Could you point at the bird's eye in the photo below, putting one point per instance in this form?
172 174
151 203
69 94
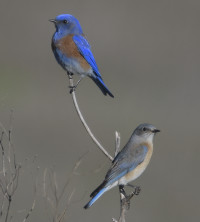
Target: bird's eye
65 21
144 129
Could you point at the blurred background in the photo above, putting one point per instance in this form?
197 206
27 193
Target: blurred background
148 53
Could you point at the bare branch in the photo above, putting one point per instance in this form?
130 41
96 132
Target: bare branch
8 209
61 217
3 189
33 204
117 142
71 83
30 211
77 164
2 205
3 155
10 172
52 198
48 199
55 186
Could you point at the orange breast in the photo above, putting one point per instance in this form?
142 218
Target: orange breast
135 173
67 46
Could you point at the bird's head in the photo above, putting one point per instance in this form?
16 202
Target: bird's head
145 132
67 24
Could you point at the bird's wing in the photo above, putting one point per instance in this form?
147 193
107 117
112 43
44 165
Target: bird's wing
124 162
84 48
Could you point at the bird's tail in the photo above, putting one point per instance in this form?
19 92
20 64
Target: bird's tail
96 194
102 86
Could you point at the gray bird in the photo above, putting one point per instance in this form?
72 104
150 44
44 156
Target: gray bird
129 163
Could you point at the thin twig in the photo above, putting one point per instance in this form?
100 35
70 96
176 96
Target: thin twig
55 187
61 217
77 164
117 142
30 211
44 182
2 205
71 83
123 207
33 204
8 209
10 145
53 197
51 203
3 154
10 169
3 190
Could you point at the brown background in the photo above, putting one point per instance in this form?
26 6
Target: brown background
148 54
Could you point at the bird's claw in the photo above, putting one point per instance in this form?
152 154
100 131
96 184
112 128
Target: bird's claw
70 75
122 191
137 190
72 89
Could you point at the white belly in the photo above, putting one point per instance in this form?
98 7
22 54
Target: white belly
71 65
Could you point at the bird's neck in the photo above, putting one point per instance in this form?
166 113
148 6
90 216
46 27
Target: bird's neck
61 33
138 140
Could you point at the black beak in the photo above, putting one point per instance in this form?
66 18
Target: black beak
156 131
52 20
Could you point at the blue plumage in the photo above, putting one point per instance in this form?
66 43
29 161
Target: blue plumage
73 52
95 198
84 48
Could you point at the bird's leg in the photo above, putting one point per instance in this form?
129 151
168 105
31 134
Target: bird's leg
70 74
122 191
137 189
126 200
72 88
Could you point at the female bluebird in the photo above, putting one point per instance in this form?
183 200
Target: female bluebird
129 163
72 50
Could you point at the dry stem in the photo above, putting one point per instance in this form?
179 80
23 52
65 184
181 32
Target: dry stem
71 83
54 198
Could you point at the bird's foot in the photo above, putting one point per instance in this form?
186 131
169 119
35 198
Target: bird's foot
72 89
122 191
126 200
137 189
70 75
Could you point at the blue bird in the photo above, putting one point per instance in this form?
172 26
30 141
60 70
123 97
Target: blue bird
129 163
72 51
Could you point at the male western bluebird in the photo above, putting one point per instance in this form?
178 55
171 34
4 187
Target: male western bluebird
129 163
72 50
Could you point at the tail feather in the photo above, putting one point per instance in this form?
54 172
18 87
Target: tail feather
96 197
102 86
101 186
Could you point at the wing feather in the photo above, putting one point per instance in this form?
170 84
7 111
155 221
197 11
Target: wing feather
124 162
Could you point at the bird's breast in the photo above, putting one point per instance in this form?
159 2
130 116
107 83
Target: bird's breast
68 48
136 172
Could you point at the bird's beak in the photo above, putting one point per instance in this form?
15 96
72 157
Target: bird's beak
156 131
52 20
